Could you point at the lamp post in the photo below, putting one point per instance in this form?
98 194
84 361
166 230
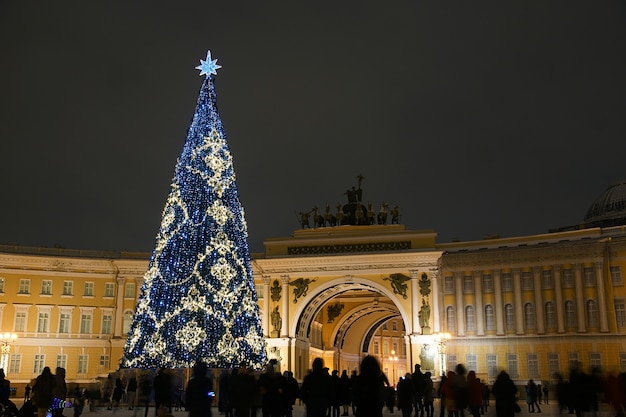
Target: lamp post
393 358
5 349
441 339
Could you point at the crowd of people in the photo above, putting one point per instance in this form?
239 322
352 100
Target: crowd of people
244 393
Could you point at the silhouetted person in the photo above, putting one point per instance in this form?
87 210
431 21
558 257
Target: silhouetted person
371 388
244 387
315 390
60 389
506 395
197 397
42 392
5 393
162 390
271 384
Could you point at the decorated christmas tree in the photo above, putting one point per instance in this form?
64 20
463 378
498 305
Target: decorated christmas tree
198 300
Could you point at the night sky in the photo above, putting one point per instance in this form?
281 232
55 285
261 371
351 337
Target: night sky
475 118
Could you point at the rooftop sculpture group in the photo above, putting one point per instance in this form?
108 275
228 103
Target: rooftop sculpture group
355 213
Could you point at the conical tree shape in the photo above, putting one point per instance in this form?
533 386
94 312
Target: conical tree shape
198 300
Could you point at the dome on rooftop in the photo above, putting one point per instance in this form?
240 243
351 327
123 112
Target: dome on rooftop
609 208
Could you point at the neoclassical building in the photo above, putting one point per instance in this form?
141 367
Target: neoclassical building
532 305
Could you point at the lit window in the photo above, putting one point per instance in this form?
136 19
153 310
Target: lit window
570 314
109 288
589 277
128 319
487 283
547 279
492 366
85 323
24 286
104 361
554 365
450 320
14 363
107 324
573 360
595 360
550 315
527 280
1 285
529 315
394 325
511 361
46 287
489 318
88 290
533 365
20 321
130 290
470 323
620 312
38 363
83 360
471 362
68 287
507 282
62 361
468 284
448 285
568 278
64 323
616 275
592 313
43 322
508 317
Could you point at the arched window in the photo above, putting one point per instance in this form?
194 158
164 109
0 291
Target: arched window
570 314
470 322
489 318
529 316
450 320
592 313
508 317
550 315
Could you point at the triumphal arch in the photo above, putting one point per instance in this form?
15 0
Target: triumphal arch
344 291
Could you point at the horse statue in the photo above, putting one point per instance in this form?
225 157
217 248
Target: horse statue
329 219
318 219
382 213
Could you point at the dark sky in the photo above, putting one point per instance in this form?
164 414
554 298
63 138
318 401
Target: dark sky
474 117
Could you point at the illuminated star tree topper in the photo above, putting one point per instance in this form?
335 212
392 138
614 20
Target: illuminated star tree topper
198 300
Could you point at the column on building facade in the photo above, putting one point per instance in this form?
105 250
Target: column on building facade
265 321
558 291
497 289
517 294
119 306
460 310
604 318
434 273
580 298
480 308
285 315
415 304
539 311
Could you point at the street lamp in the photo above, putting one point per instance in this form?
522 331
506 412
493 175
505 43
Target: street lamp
393 358
441 339
5 349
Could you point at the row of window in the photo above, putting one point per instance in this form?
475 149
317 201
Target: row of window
530 320
527 280
15 363
532 363
65 320
68 288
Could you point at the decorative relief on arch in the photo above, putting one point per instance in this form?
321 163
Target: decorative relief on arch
301 287
334 311
398 283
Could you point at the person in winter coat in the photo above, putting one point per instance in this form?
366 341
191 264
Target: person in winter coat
475 400
198 398
429 395
405 395
370 388
42 392
505 392
315 390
